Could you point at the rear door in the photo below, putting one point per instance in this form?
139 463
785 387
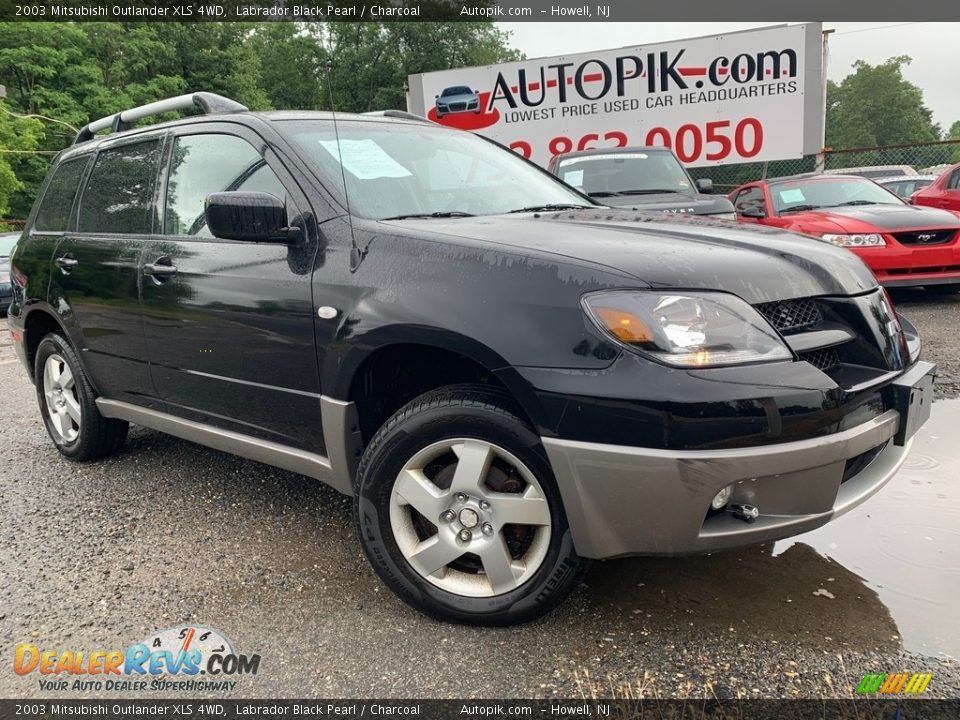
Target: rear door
94 282
229 324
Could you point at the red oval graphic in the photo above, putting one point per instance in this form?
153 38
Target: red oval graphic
467 120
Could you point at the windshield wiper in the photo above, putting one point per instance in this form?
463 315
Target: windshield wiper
442 214
858 202
651 191
548 208
603 193
800 208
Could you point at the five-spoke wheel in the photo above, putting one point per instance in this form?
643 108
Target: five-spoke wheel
458 510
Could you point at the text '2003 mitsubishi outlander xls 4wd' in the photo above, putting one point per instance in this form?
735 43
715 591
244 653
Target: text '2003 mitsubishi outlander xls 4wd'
509 379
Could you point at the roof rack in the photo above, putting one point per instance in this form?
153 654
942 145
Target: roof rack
123 120
402 114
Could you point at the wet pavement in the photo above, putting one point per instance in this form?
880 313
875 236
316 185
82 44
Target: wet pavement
905 541
96 556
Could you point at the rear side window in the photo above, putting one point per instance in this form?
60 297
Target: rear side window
54 211
118 197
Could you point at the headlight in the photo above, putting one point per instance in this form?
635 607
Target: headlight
686 329
869 240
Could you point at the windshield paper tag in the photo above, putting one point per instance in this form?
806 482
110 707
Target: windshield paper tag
365 160
792 196
573 177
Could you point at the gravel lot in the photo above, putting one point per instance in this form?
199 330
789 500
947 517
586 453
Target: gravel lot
96 556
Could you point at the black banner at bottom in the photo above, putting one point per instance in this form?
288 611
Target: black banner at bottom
692 709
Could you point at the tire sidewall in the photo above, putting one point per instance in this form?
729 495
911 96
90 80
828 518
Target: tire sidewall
538 594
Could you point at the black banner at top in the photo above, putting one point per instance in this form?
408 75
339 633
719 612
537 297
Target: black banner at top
471 10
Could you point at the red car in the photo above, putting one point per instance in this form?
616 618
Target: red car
944 192
904 245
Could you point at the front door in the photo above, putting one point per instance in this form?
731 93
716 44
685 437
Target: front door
229 324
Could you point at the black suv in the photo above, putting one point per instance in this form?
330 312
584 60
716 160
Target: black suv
508 379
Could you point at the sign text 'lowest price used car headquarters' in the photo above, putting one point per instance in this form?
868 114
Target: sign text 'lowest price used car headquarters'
748 96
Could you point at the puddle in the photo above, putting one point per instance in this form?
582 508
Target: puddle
904 543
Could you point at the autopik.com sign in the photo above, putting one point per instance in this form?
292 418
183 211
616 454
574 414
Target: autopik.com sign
747 96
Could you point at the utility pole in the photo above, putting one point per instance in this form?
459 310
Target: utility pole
821 161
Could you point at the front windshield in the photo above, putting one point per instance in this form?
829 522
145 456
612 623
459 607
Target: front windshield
7 242
456 91
394 170
824 192
625 173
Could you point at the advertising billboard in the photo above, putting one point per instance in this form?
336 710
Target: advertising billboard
745 96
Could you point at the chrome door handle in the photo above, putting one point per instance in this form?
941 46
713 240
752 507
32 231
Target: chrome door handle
66 263
159 270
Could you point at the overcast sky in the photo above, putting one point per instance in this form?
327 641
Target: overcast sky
934 47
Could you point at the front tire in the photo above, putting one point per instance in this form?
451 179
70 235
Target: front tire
458 511
68 407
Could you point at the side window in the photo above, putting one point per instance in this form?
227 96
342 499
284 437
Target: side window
749 198
54 211
953 182
205 164
118 197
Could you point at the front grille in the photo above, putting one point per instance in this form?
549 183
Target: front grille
789 316
855 465
822 359
458 106
925 237
924 270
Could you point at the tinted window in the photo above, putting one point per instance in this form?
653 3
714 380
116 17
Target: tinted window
629 173
954 182
749 198
205 164
54 211
118 197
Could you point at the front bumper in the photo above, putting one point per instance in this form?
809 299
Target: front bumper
641 501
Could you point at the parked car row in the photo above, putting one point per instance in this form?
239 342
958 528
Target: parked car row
7 241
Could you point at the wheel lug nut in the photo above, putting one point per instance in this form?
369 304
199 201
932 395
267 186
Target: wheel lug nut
484 505
465 535
461 497
447 516
487 529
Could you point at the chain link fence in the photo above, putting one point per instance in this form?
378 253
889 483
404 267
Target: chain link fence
922 158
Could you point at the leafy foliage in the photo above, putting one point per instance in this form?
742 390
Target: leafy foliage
75 72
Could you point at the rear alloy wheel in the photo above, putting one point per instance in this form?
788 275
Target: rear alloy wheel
67 404
63 403
459 514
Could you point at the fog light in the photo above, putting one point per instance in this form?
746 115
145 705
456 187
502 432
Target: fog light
722 498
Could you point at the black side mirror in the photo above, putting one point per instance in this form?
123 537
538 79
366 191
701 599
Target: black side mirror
705 185
752 211
248 216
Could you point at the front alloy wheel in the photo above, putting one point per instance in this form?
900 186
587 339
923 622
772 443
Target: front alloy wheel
470 517
458 510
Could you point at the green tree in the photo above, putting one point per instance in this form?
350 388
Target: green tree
954 134
876 106
17 135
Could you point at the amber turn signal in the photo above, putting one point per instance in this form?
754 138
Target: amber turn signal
623 325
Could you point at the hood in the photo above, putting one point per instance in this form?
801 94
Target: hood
672 203
887 218
670 251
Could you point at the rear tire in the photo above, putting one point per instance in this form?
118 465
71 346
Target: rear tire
68 407
459 514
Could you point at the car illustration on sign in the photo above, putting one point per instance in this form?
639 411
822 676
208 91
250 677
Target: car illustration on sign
457 99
